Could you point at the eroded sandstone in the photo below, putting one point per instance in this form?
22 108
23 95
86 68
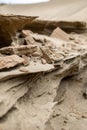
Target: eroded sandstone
32 73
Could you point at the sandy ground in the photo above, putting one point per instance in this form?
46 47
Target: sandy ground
71 114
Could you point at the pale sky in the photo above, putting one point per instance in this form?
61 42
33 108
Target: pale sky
22 1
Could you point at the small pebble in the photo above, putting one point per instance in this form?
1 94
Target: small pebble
43 61
24 69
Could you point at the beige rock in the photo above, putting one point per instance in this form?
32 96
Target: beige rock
60 34
9 25
7 62
19 50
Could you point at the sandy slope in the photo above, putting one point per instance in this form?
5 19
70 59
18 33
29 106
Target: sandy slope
71 114
53 10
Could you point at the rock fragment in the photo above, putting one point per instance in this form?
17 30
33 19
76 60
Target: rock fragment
26 60
43 61
25 33
60 34
19 50
7 62
51 55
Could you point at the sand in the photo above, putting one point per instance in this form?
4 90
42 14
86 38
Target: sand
53 10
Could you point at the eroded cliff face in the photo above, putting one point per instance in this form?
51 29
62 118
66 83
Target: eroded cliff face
9 25
34 91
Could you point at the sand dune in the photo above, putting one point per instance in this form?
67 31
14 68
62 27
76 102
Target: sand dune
53 10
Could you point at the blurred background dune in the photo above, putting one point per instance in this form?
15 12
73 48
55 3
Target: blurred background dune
74 10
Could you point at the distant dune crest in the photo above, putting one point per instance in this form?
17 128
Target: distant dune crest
22 1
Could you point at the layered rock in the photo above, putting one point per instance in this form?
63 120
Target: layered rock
31 71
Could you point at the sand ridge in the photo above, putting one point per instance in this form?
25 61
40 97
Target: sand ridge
54 10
